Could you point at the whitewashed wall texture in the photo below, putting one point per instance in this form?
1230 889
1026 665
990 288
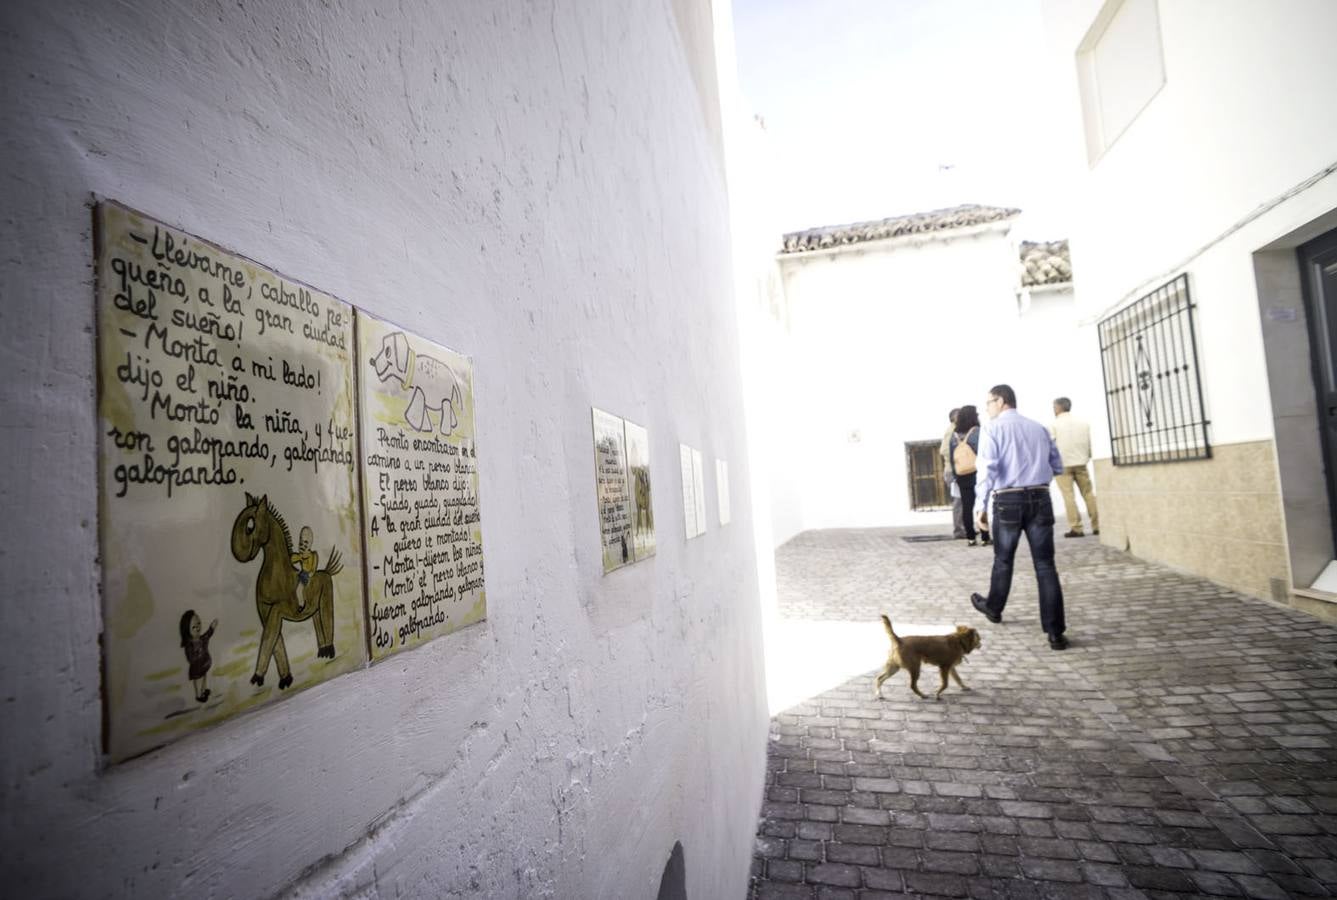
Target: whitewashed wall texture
538 187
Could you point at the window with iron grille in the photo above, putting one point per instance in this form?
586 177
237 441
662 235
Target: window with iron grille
1153 388
923 467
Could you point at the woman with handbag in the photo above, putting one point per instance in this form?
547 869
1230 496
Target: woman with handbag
965 444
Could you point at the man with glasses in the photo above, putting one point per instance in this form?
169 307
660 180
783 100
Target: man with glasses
1017 460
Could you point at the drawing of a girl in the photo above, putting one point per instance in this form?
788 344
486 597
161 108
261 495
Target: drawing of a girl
196 645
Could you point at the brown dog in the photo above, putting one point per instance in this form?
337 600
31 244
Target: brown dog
942 650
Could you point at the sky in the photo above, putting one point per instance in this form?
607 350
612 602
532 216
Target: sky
877 108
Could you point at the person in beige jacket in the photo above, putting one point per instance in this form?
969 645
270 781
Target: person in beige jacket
1073 437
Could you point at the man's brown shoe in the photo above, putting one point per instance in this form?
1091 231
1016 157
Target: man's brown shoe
1073 534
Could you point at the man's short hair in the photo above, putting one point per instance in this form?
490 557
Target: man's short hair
1005 393
1063 403
951 416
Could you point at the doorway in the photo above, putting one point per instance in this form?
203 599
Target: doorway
923 469
1318 271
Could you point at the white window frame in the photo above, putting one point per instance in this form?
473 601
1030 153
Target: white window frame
1101 135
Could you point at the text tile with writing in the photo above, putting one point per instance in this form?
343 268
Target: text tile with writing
230 544
420 473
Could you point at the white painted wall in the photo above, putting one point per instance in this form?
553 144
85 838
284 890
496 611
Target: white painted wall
774 382
1236 126
888 338
1066 357
783 381
763 318
537 187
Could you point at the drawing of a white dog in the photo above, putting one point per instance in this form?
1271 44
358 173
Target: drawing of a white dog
433 384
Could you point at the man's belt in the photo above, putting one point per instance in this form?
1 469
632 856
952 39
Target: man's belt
1020 490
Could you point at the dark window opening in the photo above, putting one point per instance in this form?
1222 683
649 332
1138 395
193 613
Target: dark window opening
923 467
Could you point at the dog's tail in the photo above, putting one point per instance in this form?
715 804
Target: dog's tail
886 623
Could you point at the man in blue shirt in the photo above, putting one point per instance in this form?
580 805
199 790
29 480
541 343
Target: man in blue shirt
1017 460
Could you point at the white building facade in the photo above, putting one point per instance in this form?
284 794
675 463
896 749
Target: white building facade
893 323
543 191
1210 176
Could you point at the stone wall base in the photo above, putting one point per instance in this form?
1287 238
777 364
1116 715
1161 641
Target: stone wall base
1219 519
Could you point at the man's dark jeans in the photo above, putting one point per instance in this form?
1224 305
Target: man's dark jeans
1030 512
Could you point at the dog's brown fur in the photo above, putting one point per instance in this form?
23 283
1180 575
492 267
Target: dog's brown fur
945 651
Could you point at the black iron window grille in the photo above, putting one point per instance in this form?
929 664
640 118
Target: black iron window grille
1153 388
923 469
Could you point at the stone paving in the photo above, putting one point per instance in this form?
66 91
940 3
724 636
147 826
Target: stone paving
1185 745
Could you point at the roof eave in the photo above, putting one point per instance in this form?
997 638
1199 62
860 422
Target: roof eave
900 240
1048 286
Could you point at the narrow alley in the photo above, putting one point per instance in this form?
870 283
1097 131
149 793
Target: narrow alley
1186 743
463 450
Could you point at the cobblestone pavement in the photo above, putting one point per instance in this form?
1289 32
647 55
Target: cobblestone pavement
1185 745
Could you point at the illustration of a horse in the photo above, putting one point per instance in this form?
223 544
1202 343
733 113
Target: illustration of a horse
260 529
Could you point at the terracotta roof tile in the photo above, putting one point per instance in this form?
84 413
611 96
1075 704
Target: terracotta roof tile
830 236
1045 262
